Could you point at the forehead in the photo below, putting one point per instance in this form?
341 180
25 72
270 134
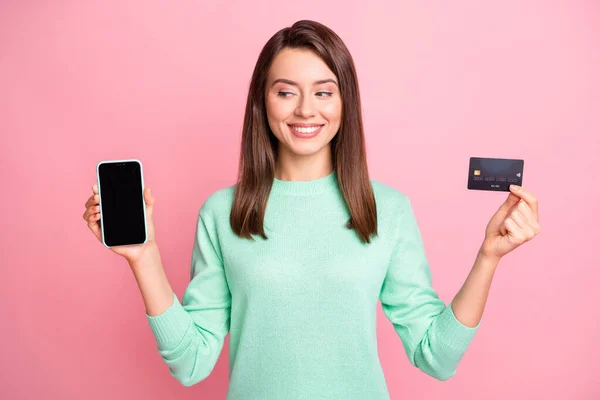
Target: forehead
299 65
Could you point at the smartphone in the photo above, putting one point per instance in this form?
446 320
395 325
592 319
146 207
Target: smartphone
122 205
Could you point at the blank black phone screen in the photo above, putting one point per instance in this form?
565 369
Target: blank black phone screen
122 202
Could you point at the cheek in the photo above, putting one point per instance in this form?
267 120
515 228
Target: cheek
332 111
278 110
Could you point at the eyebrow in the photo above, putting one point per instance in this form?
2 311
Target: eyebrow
289 82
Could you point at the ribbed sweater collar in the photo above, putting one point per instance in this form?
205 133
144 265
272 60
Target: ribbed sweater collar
305 188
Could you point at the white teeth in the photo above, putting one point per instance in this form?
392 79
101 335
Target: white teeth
305 130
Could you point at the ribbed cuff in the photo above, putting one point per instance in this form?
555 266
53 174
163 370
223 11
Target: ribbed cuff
170 327
455 335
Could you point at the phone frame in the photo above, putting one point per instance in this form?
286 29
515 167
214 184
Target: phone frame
100 195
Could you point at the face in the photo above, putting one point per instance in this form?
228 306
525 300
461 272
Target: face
303 103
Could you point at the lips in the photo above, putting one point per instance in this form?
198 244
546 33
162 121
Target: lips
305 131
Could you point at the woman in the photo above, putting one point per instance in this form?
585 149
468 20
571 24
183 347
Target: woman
292 259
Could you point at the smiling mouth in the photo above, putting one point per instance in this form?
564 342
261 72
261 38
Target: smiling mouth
305 128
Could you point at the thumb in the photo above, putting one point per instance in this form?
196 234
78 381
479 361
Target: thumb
148 197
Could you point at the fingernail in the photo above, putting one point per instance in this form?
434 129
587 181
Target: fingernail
514 187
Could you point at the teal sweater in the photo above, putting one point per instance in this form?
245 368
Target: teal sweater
300 307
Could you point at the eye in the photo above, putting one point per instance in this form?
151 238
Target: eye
284 94
324 94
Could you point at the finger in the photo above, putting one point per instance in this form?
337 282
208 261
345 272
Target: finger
95 188
92 219
93 200
510 202
525 229
532 220
92 214
86 213
149 197
515 230
93 224
524 208
525 195
91 211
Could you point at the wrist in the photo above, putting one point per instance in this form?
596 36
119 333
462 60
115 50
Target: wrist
150 255
487 259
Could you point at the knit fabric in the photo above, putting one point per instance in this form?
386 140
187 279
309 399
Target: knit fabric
300 306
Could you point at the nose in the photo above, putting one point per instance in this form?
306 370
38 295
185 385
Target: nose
306 108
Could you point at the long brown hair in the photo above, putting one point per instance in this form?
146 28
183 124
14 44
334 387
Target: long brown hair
259 145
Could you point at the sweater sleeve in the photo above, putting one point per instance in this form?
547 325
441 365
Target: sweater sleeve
434 340
190 334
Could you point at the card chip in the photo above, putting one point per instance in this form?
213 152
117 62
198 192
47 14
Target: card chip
477 172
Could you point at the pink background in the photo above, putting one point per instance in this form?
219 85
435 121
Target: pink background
166 82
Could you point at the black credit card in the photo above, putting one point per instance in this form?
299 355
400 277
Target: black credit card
495 174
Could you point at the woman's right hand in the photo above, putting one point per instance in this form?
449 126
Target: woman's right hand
132 253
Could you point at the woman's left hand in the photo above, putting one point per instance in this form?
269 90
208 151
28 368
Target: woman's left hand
515 223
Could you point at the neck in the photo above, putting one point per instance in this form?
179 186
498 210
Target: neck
303 168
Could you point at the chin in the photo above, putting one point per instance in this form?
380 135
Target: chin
307 150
